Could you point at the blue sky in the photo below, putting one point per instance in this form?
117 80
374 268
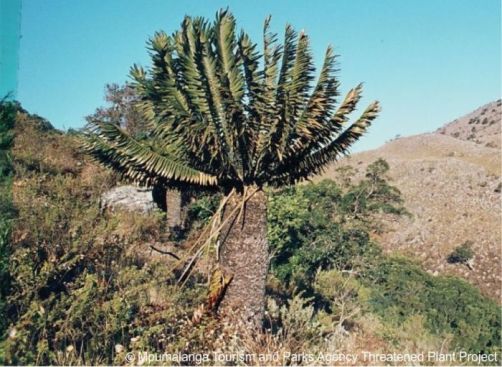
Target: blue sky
10 27
427 61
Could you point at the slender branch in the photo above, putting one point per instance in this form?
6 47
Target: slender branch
164 252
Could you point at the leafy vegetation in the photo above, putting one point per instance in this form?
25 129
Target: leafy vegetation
325 225
86 287
448 305
219 113
7 210
80 280
320 236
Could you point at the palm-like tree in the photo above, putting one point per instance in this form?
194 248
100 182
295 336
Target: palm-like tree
223 115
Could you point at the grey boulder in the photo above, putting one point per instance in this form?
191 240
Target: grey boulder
128 197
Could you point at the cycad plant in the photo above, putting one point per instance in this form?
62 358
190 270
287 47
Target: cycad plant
221 114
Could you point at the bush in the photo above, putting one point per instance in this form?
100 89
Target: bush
372 195
201 209
462 254
305 236
449 305
324 226
346 295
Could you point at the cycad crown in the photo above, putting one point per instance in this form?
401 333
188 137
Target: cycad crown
222 114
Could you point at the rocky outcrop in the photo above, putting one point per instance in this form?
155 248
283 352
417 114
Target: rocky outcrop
132 198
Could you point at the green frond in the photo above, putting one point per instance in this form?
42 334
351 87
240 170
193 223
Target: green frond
225 45
139 160
218 108
271 56
105 154
160 42
323 129
288 58
297 90
231 88
314 162
314 117
192 82
282 114
221 112
265 106
250 59
343 142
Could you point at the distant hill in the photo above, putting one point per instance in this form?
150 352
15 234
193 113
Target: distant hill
481 126
450 180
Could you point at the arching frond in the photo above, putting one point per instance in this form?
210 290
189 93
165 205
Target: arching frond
221 112
138 160
314 117
227 58
314 162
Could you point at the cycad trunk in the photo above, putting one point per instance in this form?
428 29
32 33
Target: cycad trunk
174 208
244 256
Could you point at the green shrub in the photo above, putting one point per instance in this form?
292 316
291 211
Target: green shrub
461 254
372 195
324 226
305 236
450 305
346 296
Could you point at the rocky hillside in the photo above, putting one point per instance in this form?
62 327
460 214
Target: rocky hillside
481 126
450 180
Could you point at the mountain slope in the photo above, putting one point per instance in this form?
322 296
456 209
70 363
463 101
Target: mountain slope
451 185
481 126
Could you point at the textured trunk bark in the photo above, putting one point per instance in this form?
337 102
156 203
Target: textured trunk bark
244 256
174 208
